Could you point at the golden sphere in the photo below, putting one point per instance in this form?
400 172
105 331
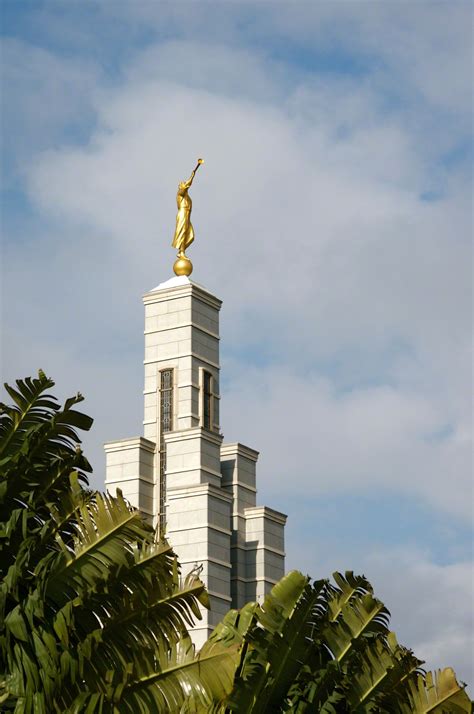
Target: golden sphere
183 266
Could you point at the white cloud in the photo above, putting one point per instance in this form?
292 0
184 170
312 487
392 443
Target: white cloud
339 260
428 46
44 95
316 441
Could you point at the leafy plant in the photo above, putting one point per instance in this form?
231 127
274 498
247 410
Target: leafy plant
320 647
93 613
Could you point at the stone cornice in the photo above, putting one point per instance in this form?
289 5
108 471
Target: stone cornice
196 432
178 356
237 449
173 492
260 546
130 443
265 512
182 324
184 290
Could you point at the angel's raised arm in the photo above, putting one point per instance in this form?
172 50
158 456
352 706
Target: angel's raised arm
188 183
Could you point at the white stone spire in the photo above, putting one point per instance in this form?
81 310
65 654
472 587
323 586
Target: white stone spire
200 492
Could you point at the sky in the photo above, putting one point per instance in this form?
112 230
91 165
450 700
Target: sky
333 217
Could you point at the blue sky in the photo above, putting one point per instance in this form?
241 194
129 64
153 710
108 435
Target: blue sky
334 219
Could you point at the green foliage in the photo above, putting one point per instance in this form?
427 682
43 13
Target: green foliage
93 613
325 648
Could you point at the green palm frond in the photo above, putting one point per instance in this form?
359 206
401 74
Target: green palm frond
353 613
182 682
106 529
276 642
31 407
39 451
235 626
376 680
437 693
111 603
22 426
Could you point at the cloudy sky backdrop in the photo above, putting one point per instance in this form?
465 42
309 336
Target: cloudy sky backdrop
333 217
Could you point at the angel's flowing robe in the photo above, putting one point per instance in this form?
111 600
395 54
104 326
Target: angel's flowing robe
184 232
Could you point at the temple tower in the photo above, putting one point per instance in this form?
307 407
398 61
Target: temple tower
200 492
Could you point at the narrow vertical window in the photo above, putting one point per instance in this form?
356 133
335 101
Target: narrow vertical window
166 424
207 400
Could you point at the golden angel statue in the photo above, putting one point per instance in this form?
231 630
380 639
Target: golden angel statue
184 232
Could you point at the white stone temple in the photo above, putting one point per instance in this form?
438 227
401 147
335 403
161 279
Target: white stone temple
200 491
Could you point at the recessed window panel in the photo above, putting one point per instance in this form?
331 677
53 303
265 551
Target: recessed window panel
207 400
166 424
